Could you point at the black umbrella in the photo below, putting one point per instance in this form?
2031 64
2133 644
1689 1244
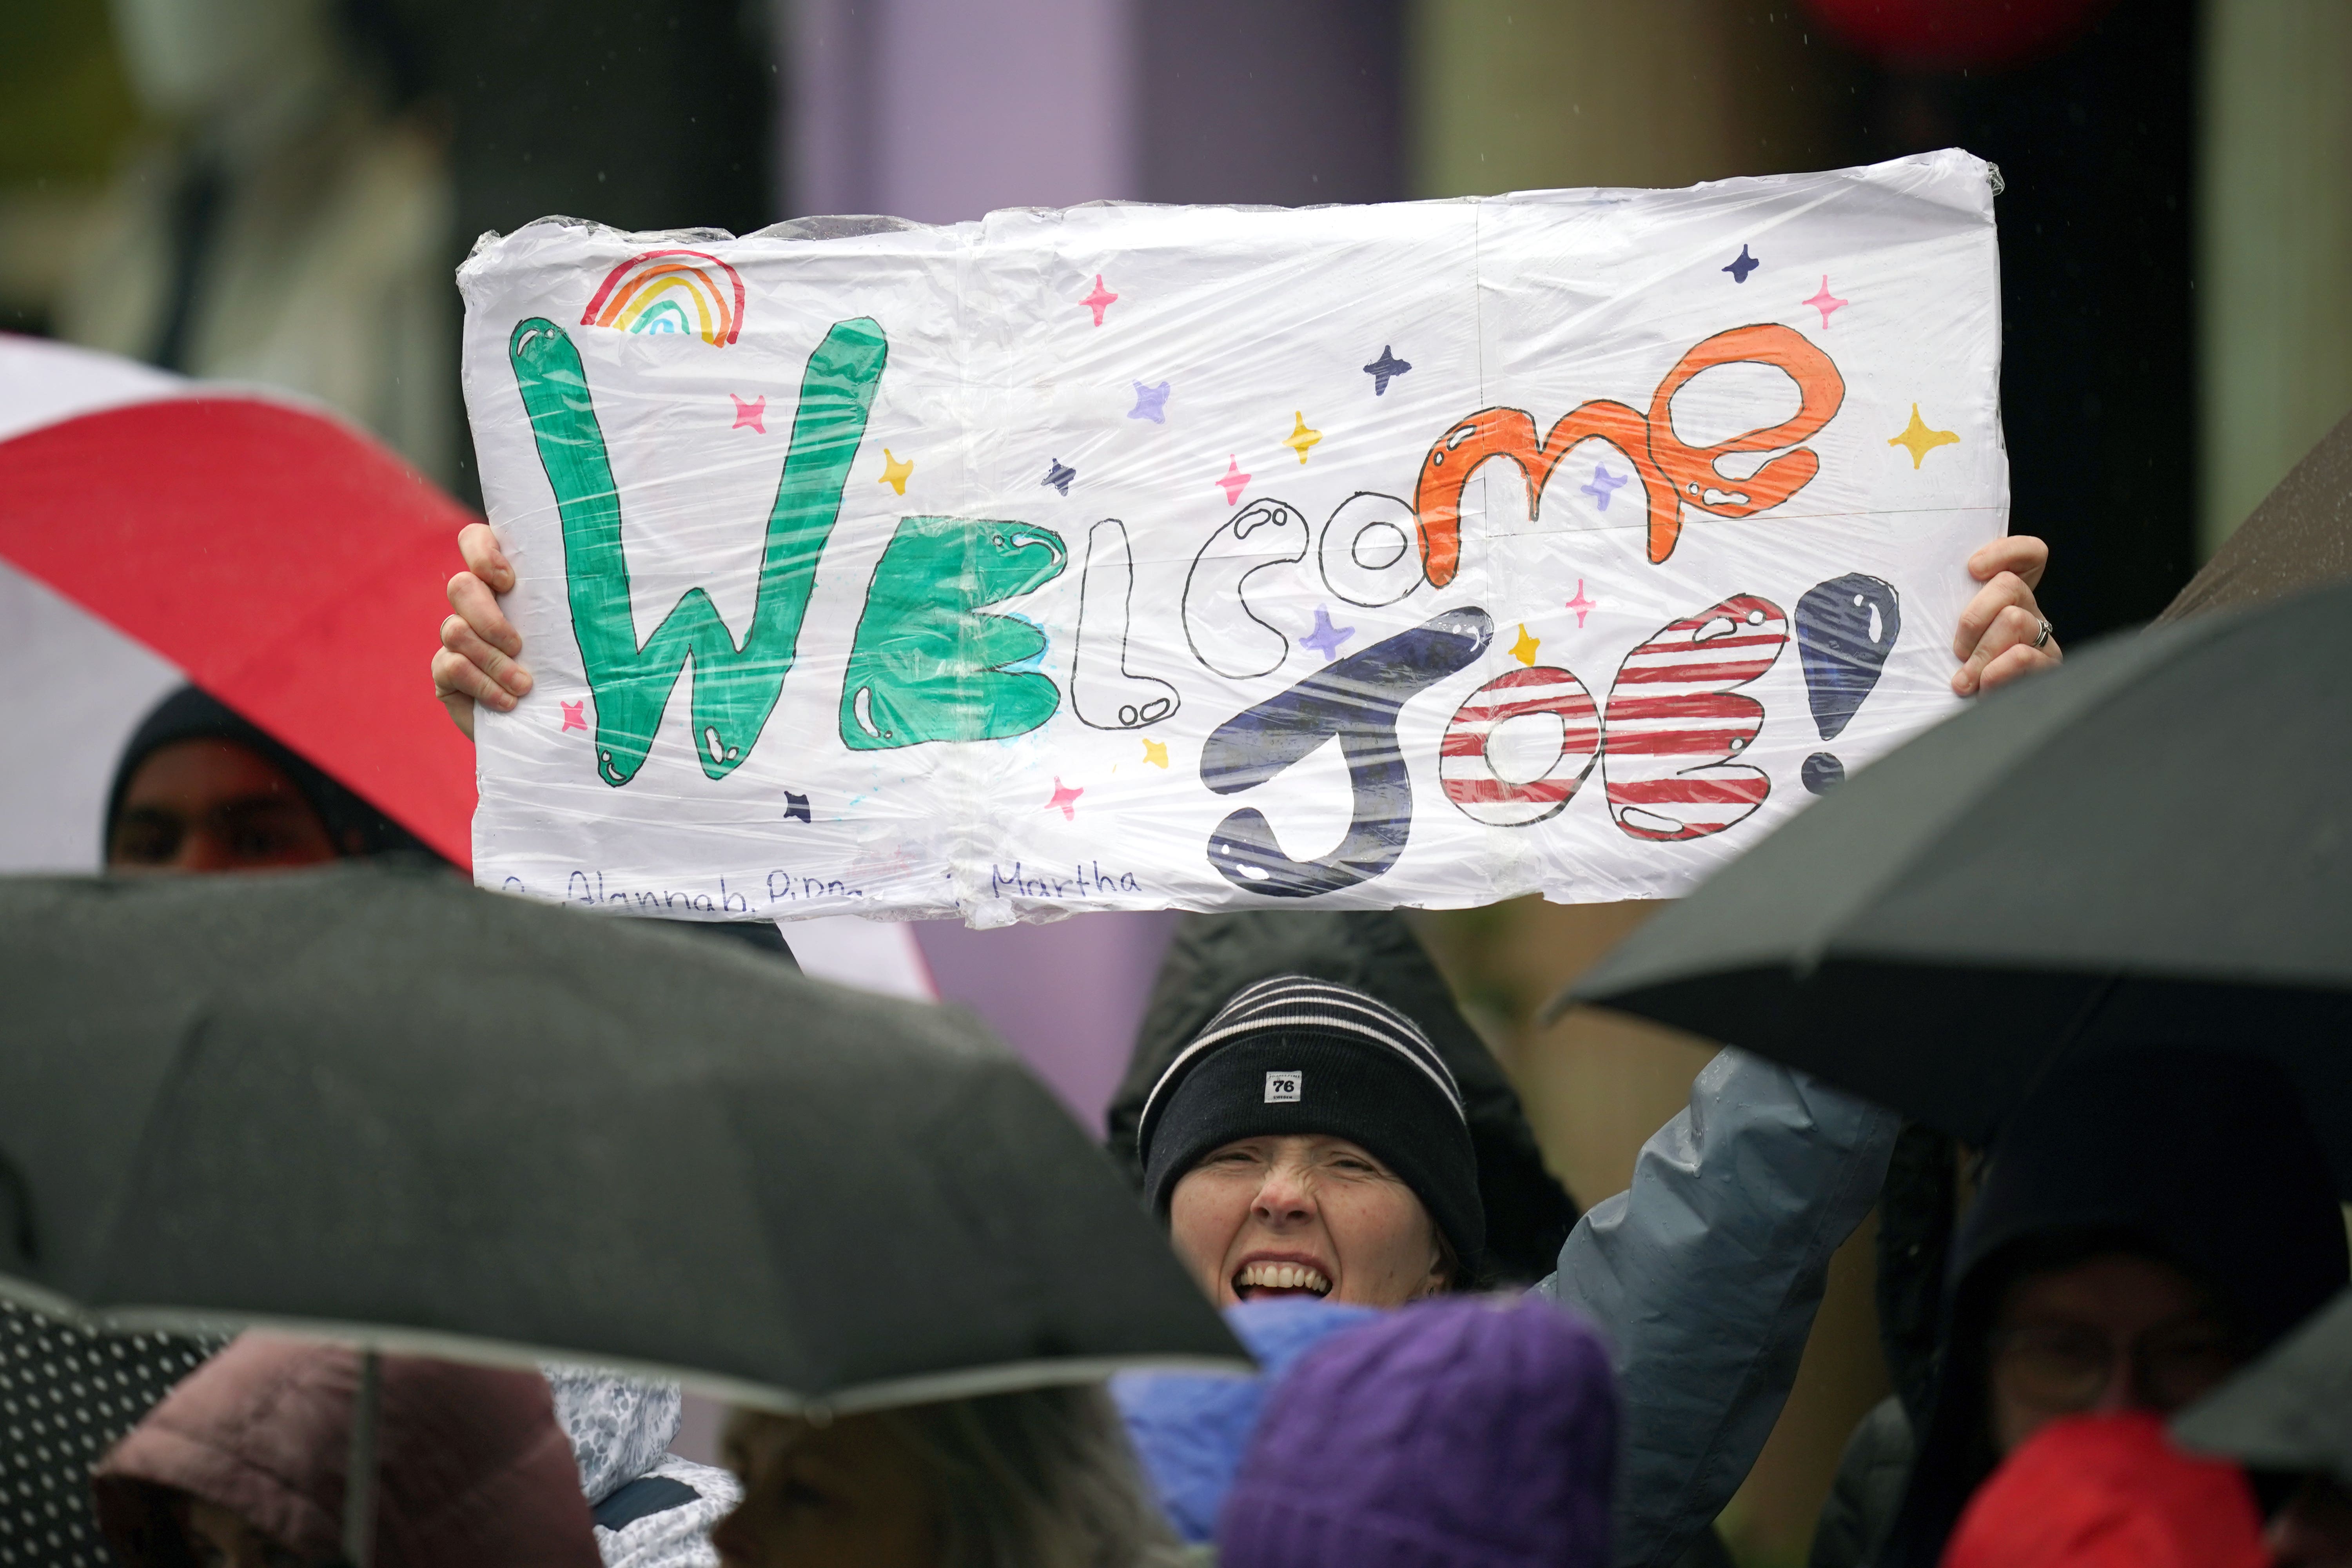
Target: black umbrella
2292 1410
433 1118
2150 846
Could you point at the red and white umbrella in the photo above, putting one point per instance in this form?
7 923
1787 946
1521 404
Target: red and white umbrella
155 529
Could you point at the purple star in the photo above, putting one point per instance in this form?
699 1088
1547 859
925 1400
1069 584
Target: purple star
1150 403
1325 637
1743 266
1604 485
1385 369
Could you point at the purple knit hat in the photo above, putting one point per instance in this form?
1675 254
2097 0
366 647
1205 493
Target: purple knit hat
1470 1432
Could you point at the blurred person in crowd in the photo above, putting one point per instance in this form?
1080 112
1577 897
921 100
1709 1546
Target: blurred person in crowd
200 788
2109 1492
1476 1432
2148 1222
1038 1479
294 223
245 1466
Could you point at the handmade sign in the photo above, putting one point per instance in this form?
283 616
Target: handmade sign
1198 557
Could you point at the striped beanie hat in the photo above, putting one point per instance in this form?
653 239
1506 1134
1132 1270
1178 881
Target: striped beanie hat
1291 1054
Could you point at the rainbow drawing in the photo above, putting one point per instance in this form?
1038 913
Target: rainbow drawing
671 292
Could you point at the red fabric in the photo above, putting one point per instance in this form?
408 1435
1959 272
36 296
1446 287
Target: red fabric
1950 35
2109 1492
293 567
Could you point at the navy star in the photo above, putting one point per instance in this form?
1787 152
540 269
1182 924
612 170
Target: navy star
1385 369
1059 475
1740 268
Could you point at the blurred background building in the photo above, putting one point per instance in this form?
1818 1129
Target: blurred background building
277 191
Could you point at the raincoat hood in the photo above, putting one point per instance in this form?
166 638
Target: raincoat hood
1529 1213
652 1509
2203 1161
473 1470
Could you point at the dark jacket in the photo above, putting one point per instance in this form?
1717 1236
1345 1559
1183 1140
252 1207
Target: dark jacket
473 1471
2201 1159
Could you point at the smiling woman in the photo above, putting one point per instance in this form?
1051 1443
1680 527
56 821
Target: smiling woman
1311 1141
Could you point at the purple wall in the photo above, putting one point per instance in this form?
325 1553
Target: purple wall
1068 995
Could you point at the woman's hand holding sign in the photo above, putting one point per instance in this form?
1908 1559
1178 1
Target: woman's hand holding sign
478 659
2003 633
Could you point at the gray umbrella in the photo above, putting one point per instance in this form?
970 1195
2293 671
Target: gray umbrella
2150 846
2292 1410
434 1119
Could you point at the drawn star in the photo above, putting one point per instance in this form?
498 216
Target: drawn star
1098 301
1300 436
1741 266
1919 440
1235 482
1604 485
1385 369
1582 605
895 473
1826 302
1059 475
1155 752
1150 403
1065 800
796 807
754 414
1524 650
572 716
1325 637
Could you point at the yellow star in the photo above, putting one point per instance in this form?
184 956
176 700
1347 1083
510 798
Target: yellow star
1301 438
1155 753
895 473
1919 440
1524 650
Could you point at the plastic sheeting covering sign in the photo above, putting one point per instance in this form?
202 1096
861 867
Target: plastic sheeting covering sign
1132 557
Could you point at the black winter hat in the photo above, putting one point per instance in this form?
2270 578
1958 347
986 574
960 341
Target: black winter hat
1291 1054
1527 1212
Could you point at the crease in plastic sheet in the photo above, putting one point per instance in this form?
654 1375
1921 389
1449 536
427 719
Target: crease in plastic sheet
1139 557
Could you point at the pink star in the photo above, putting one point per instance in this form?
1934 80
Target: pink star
1065 800
571 716
1099 300
1581 605
754 414
1825 301
1235 482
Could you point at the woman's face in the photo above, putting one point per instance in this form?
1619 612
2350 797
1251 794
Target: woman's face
214 805
845 1495
2114 1333
1302 1216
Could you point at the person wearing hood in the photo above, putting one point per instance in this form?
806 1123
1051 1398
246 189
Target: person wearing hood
201 788
1309 1141
245 1463
1473 1432
2147 1223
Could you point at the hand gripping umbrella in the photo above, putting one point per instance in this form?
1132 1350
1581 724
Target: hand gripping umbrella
391 1108
2149 848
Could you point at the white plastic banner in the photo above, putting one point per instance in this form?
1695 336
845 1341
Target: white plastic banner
1131 557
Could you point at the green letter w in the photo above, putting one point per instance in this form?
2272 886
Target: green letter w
734 689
